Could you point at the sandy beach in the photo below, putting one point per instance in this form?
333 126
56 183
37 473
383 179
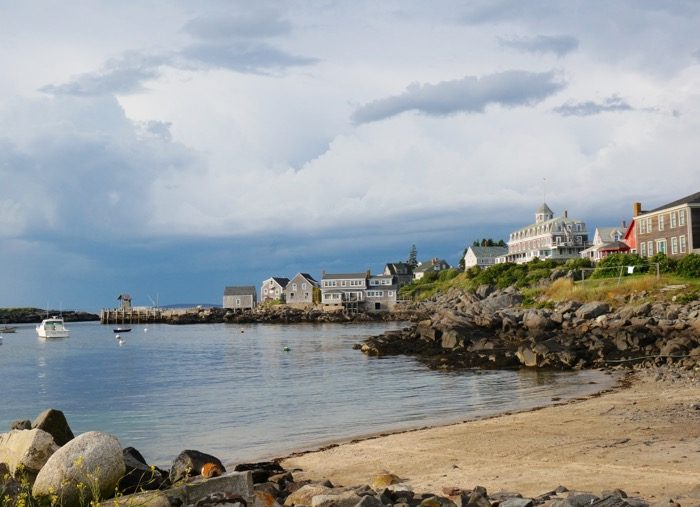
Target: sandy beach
642 437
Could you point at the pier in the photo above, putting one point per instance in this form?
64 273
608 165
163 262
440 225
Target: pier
130 315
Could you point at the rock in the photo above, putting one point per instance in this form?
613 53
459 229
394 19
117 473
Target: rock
526 357
369 501
592 310
27 449
265 499
484 291
262 472
383 480
536 321
190 463
21 424
343 499
54 422
304 495
93 459
139 476
517 502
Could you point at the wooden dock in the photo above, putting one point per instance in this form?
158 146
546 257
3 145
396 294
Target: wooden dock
130 315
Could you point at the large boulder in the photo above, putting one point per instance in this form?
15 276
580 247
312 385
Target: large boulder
27 449
90 463
54 422
592 310
190 463
304 495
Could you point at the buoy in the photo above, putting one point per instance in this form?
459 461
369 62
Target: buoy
242 331
118 337
145 330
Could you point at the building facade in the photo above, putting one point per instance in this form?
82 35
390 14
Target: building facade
300 290
550 237
672 229
382 293
434 265
606 241
240 298
483 256
272 289
401 270
346 292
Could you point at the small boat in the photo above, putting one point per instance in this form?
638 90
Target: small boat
121 329
7 329
52 328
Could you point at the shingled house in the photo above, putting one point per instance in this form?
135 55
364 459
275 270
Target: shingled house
240 298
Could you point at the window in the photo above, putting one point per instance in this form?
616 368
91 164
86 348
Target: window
673 219
294 286
390 293
661 222
642 227
303 285
681 240
674 245
681 217
643 249
661 246
238 302
650 228
650 248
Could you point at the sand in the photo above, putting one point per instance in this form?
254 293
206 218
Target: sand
642 437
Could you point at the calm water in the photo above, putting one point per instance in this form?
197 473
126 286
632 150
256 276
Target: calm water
241 396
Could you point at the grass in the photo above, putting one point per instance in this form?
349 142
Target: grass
647 288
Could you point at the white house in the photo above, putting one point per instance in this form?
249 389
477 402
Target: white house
483 256
550 237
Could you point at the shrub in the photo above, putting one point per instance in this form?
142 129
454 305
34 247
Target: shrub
689 266
666 264
615 264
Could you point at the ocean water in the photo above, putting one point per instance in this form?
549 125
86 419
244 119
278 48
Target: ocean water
250 392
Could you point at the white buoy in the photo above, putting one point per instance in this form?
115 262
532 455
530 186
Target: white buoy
118 337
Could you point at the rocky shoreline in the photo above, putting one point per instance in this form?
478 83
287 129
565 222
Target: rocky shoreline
42 463
491 329
36 315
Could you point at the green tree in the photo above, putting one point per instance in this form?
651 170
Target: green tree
412 257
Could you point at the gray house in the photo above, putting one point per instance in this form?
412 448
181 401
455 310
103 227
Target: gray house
434 265
272 289
346 292
483 256
382 293
240 298
401 270
300 290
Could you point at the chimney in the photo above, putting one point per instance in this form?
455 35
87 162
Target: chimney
624 224
636 209
566 213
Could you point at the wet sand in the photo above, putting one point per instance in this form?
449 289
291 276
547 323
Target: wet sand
642 437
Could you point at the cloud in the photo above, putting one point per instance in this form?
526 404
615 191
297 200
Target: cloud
247 25
123 75
469 95
77 167
589 108
560 45
246 57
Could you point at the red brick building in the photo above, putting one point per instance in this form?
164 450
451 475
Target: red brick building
673 228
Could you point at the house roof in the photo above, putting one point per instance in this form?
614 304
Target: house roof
688 199
308 277
488 251
544 209
431 264
280 280
555 220
608 233
344 276
398 268
245 290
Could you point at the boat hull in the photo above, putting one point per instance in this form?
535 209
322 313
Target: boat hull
52 328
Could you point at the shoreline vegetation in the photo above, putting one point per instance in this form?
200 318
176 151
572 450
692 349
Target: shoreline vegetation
635 446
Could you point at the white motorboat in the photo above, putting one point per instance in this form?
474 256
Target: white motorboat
52 328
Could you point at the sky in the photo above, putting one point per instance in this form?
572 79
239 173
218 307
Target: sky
167 149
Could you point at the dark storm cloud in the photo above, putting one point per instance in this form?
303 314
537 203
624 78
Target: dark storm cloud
560 45
589 108
469 95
